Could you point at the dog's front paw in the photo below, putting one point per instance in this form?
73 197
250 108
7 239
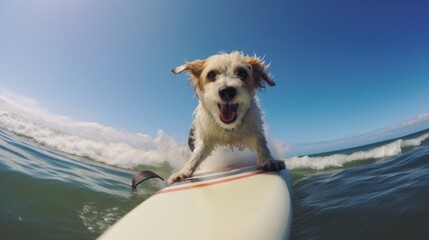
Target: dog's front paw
273 165
177 177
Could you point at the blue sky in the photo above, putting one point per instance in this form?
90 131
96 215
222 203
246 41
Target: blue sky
342 68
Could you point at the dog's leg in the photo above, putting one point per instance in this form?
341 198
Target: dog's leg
200 153
265 160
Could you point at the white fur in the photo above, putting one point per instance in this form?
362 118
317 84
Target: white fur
209 130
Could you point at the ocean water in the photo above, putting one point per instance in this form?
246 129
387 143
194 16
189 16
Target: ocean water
67 182
380 192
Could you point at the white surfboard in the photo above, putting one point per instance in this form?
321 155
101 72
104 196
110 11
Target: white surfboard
241 203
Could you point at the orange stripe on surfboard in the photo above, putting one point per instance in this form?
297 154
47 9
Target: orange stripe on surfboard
199 185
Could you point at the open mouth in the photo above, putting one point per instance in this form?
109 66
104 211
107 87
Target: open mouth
228 112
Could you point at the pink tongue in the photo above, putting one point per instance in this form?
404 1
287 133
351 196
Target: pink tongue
227 112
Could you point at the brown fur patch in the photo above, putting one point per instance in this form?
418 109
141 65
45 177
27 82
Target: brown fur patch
195 68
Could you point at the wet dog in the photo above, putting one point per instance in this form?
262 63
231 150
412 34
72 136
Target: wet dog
228 113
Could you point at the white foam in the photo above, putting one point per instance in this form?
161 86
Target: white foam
415 141
225 157
338 160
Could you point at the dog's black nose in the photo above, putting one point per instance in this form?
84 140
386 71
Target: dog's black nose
227 93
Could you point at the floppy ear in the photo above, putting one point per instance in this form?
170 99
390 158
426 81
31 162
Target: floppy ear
259 71
194 68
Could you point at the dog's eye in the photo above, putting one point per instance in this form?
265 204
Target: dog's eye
211 75
242 74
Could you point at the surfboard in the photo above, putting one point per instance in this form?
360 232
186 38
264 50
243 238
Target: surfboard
235 203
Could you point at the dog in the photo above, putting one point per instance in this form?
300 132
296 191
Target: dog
228 113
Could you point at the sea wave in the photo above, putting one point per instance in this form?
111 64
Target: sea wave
118 148
339 160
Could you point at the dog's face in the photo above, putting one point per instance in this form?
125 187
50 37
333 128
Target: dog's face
226 84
